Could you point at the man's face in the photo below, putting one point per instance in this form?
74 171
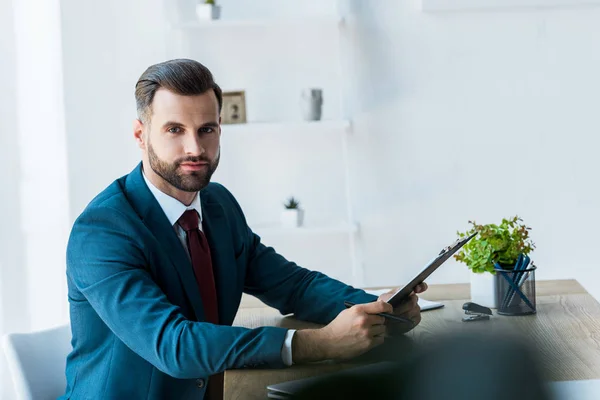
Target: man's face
182 144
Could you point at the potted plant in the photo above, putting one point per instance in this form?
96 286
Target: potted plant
207 10
292 216
495 246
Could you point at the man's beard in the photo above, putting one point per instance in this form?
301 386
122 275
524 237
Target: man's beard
191 182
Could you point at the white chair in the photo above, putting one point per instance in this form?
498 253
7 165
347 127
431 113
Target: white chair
36 362
576 390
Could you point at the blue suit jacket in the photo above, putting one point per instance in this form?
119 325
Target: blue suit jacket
136 312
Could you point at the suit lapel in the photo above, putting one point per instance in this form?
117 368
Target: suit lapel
156 221
217 233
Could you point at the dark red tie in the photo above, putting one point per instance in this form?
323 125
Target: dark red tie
203 270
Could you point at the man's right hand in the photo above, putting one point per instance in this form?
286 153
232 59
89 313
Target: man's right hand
353 332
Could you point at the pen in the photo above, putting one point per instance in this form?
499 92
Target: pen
349 304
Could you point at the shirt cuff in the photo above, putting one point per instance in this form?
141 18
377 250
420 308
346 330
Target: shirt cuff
286 349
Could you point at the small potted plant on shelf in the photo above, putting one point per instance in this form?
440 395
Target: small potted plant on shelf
292 216
207 10
495 247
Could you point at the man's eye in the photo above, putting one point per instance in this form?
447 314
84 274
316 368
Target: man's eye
206 129
174 130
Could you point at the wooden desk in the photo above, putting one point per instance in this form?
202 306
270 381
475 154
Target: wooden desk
566 327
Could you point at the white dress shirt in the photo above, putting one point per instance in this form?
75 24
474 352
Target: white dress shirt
174 209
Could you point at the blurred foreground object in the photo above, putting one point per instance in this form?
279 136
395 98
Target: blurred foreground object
489 367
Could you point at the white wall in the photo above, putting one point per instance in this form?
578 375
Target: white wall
11 239
457 116
34 202
106 46
43 164
475 116
34 196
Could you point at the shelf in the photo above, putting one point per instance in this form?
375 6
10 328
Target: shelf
288 127
283 22
463 5
275 230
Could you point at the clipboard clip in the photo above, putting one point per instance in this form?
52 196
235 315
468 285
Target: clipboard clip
459 242
475 312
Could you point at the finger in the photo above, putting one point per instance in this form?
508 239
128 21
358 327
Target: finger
416 310
415 318
377 340
420 288
377 330
374 320
385 297
407 305
414 315
376 307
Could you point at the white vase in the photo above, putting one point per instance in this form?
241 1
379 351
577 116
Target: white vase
292 218
207 12
311 103
483 289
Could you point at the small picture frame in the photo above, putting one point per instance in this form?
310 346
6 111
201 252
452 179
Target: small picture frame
234 108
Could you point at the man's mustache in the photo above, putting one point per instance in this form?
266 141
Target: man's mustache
193 160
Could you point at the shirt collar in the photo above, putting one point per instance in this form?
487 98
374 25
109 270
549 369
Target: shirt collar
172 207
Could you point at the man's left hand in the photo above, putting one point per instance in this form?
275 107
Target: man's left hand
407 309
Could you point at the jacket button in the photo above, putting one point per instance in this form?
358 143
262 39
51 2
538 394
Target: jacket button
200 383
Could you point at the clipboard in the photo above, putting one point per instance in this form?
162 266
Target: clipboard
401 295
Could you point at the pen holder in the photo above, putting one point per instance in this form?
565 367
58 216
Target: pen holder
516 291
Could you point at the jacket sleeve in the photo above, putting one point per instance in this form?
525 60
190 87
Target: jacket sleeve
109 269
279 283
309 295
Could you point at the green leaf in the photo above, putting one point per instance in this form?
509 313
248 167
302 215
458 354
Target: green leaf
495 243
292 203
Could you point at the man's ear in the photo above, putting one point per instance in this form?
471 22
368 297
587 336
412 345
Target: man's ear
138 133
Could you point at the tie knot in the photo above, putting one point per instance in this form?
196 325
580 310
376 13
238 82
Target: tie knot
189 220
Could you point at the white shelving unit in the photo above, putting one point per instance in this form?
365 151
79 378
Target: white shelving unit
188 30
340 228
264 23
480 5
289 128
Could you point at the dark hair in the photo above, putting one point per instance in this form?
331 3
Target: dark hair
181 76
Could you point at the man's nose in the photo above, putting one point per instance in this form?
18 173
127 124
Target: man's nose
193 145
